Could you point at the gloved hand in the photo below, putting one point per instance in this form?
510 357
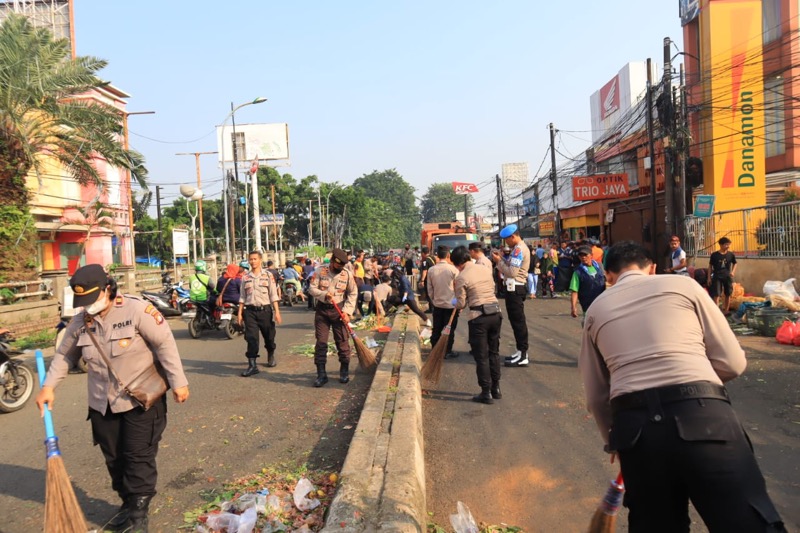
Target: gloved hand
405 297
454 302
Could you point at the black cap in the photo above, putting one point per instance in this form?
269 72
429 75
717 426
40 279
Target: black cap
339 257
585 250
425 250
87 283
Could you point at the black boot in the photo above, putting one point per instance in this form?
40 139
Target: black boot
484 397
271 360
322 376
121 518
252 368
496 394
137 517
344 373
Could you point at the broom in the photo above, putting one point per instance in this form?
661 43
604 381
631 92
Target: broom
62 514
432 369
605 517
365 356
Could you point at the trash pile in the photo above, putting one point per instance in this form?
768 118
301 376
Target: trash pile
255 508
764 316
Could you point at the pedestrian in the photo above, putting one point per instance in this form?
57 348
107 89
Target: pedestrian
474 293
358 267
566 265
515 270
381 294
425 262
659 401
722 267
441 292
533 276
588 281
408 261
259 310
335 284
406 296
539 251
678 257
597 252
477 255
135 335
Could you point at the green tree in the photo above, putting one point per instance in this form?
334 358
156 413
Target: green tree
41 119
441 203
397 196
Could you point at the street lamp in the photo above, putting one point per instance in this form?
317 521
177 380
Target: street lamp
229 233
192 194
327 214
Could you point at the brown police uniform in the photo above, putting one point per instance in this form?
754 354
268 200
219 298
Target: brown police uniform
345 293
474 288
485 262
441 292
134 335
515 271
259 296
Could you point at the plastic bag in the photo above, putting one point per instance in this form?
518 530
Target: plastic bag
425 333
462 521
223 522
787 332
273 504
247 521
781 288
302 488
370 342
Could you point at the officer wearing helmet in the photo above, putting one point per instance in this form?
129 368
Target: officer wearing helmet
514 268
200 288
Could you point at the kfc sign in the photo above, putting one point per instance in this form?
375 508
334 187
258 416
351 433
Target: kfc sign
609 98
464 188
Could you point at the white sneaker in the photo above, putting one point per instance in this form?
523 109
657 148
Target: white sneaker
516 356
522 361
428 323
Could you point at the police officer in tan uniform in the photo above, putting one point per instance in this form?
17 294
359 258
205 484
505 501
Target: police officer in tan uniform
133 335
515 270
440 279
259 310
474 292
476 253
333 284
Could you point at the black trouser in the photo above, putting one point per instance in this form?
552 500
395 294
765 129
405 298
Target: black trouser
411 303
441 315
259 319
696 450
129 442
326 319
484 339
515 307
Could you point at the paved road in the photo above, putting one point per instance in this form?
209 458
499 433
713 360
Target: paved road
534 458
231 426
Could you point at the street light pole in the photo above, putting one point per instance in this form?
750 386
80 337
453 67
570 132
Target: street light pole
125 115
199 202
327 214
228 236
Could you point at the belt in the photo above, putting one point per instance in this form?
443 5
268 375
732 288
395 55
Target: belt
322 305
670 394
257 307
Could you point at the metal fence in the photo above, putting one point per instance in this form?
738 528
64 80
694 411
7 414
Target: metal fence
768 231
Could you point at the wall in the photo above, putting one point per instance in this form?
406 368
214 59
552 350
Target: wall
753 272
28 317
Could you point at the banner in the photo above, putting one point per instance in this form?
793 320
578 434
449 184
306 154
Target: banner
599 187
704 205
267 219
464 188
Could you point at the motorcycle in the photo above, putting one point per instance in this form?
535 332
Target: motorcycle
222 318
163 302
16 379
290 294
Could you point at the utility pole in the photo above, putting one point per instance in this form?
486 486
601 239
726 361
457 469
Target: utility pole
683 145
501 216
160 232
651 151
554 180
232 200
274 220
310 223
668 137
236 174
200 201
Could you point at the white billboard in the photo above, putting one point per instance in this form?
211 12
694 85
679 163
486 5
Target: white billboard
255 141
515 175
622 92
180 242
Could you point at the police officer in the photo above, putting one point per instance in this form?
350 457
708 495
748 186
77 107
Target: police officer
334 284
134 335
474 292
440 289
515 271
259 310
655 354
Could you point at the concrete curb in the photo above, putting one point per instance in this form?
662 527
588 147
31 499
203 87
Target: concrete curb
382 485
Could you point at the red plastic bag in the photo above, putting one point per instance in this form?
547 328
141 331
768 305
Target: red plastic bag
787 332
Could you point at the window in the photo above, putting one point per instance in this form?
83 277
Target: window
771 19
774 127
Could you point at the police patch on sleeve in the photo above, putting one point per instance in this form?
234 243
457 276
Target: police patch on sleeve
516 257
152 311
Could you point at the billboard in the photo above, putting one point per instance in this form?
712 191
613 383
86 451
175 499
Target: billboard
688 10
599 187
255 141
515 175
609 98
268 219
611 103
464 188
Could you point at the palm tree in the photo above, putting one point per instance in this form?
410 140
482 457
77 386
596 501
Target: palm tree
42 119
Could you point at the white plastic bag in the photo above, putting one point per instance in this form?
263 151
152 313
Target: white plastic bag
462 521
425 333
273 504
302 488
223 522
781 288
370 342
247 521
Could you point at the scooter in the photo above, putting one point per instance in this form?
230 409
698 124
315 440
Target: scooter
162 302
227 319
16 379
222 318
290 294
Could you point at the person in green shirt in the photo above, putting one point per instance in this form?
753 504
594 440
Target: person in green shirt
588 281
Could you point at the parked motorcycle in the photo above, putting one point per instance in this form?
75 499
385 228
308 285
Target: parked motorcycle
16 379
162 302
222 318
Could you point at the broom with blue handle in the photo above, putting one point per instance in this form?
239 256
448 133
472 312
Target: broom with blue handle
62 514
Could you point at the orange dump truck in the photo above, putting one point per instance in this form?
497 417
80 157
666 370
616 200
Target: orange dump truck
450 234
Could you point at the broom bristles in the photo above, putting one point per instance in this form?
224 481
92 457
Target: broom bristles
432 369
365 356
604 519
62 514
602 522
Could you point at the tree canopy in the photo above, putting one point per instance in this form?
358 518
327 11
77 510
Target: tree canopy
441 203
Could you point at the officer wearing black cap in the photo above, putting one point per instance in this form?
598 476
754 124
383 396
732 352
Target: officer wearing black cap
515 271
336 284
132 334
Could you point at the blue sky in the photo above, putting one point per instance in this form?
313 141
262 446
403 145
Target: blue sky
441 91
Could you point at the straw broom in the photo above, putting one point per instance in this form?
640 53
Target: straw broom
62 514
605 517
432 369
365 356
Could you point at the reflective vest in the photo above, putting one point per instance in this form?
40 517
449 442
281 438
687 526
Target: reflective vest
198 287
